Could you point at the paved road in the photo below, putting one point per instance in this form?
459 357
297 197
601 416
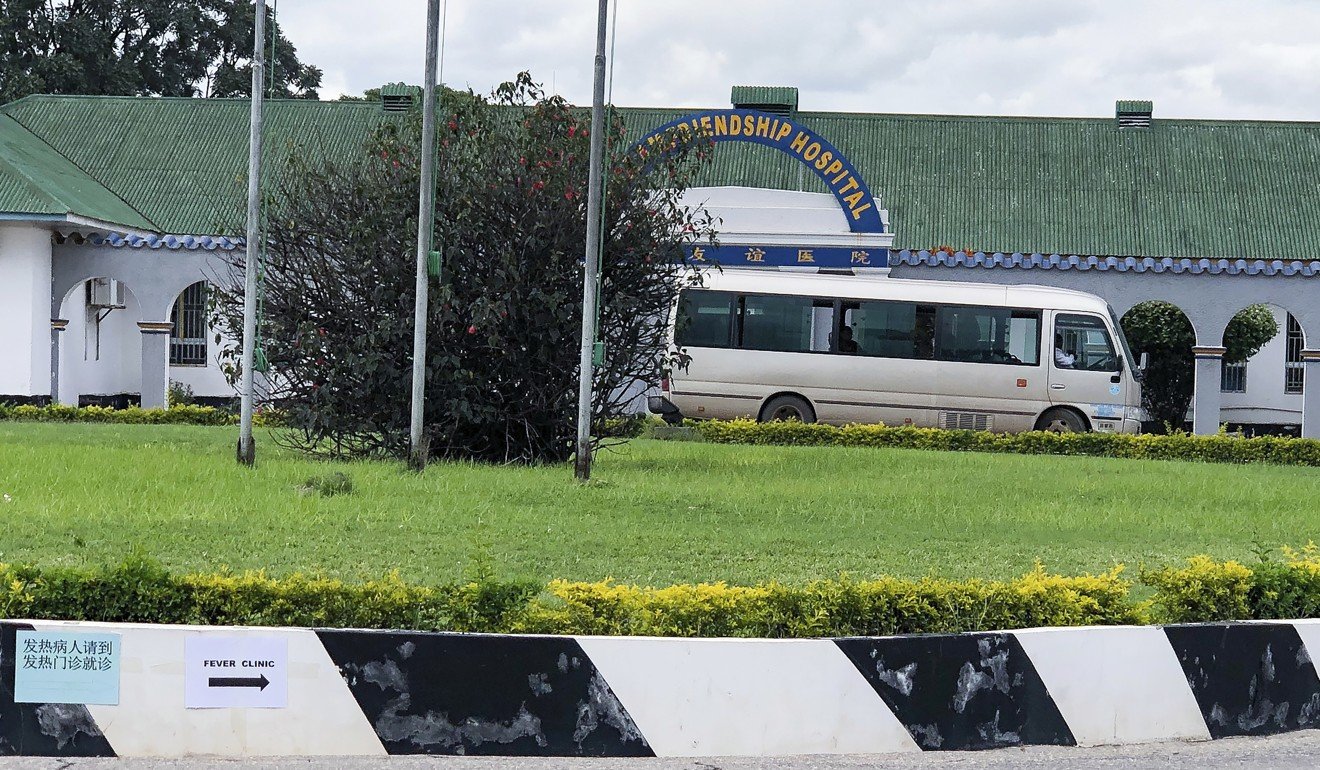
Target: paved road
1285 752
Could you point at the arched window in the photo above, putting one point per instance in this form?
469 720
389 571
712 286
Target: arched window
188 338
1294 375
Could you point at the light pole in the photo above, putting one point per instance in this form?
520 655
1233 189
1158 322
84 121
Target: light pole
425 234
247 450
582 466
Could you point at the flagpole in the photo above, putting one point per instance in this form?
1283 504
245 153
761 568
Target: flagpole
582 466
247 450
425 234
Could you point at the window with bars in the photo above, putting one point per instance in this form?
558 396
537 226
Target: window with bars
1233 377
1294 375
188 338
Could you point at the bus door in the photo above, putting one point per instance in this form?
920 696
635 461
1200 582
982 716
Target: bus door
1086 370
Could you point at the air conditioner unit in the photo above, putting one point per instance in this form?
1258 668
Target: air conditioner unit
105 293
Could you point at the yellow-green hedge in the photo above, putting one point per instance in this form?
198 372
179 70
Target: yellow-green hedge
140 590
1220 448
839 607
1207 589
182 414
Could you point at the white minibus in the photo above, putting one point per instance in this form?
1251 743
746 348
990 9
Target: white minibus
851 349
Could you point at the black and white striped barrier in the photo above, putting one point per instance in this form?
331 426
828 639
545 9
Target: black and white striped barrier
333 692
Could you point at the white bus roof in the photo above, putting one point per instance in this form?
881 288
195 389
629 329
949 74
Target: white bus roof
901 289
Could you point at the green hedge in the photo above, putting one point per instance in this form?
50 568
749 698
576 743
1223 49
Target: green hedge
182 414
1180 446
140 590
1207 590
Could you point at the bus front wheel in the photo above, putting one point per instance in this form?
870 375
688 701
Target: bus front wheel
782 408
1061 421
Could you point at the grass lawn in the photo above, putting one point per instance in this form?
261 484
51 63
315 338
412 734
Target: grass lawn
658 512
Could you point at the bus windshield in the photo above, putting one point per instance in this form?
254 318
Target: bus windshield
1131 362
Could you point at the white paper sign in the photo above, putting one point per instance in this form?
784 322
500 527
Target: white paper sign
236 671
65 666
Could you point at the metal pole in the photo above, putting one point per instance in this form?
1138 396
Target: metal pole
247 450
594 193
425 233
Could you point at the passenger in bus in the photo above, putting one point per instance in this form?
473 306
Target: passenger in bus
1062 358
846 342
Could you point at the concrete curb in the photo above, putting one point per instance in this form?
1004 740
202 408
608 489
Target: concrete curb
354 692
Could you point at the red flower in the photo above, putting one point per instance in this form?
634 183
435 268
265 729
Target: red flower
572 131
538 185
472 329
569 195
453 125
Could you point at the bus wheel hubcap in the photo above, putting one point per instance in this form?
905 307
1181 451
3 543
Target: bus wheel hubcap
787 413
1059 426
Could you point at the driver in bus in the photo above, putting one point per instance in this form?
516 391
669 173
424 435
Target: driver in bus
1062 358
846 342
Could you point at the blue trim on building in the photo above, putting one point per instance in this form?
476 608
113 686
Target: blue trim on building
1121 264
171 242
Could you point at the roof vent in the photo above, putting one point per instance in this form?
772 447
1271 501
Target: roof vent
776 100
1133 113
398 97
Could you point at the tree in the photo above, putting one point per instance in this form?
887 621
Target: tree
1161 329
504 321
141 48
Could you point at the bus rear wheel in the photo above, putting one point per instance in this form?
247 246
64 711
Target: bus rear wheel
1061 421
782 408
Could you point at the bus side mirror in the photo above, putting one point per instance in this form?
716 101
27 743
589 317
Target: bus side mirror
1144 363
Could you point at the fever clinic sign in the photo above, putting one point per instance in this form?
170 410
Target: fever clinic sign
789 137
236 671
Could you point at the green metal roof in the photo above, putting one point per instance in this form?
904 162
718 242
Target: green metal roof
35 179
183 162
1134 105
1181 188
753 96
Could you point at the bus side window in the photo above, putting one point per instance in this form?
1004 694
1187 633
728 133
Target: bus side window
779 323
1085 341
882 328
705 319
923 333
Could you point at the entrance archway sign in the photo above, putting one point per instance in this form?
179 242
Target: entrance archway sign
793 139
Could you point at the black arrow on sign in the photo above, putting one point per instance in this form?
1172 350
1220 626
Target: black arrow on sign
259 682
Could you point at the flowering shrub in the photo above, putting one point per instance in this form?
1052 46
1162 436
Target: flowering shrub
505 317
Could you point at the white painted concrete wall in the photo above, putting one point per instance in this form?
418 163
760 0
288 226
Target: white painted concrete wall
105 367
118 367
25 253
1264 402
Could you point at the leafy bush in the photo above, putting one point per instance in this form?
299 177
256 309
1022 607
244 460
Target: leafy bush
185 414
505 316
838 607
1205 589
1179 446
141 590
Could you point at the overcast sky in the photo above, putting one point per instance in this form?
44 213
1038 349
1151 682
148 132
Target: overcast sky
1195 58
